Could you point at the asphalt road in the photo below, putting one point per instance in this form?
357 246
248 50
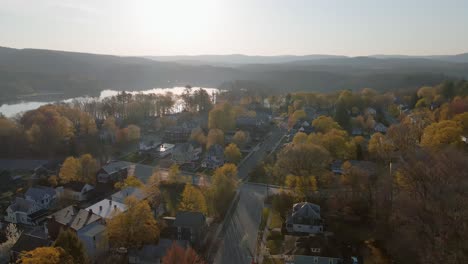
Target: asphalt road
240 238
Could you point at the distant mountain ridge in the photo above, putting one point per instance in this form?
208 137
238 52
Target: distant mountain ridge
247 59
25 73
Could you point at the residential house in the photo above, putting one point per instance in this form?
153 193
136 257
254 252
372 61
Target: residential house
27 242
23 211
248 123
80 221
370 111
148 147
190 226
214 157
123 194
95 240
381 128
186 152
153 254
77 191
52 167
305 218
119 170
177 134
70 217
107 209
43 196
164 150
356 131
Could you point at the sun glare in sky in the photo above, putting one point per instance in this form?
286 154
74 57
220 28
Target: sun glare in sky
254 27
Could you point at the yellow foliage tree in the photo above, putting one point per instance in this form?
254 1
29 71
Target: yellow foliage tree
193 200
215 136
133 133
89 167
198 135
380 147
133 228
46 255
300 138
70 170
446 132
232 153
324 124
240 138
130 181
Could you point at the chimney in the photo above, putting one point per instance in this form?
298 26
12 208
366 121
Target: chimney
110 202
100 208
90 211
115 207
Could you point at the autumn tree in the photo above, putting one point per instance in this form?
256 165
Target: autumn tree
89 168
70 242
215 136
174 173
87 124
198 135
304 159
46 255
152 190
337 142
133 133
130 181
70 170
232 153
178 255
222 188
193 200
380 147
300 138
431 207
324 124
133 228
446 132
296 116
82 169
222 117
240 138
302 185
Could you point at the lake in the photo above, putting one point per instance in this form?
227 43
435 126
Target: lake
10 110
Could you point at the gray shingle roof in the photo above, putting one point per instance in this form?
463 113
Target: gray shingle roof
27 242
142 172
21 205
38 192
189 219
75 218
129 191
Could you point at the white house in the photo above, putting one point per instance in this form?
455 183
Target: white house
43 196
77 191
20 211
305 218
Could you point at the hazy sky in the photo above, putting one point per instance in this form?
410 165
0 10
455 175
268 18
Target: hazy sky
254 27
